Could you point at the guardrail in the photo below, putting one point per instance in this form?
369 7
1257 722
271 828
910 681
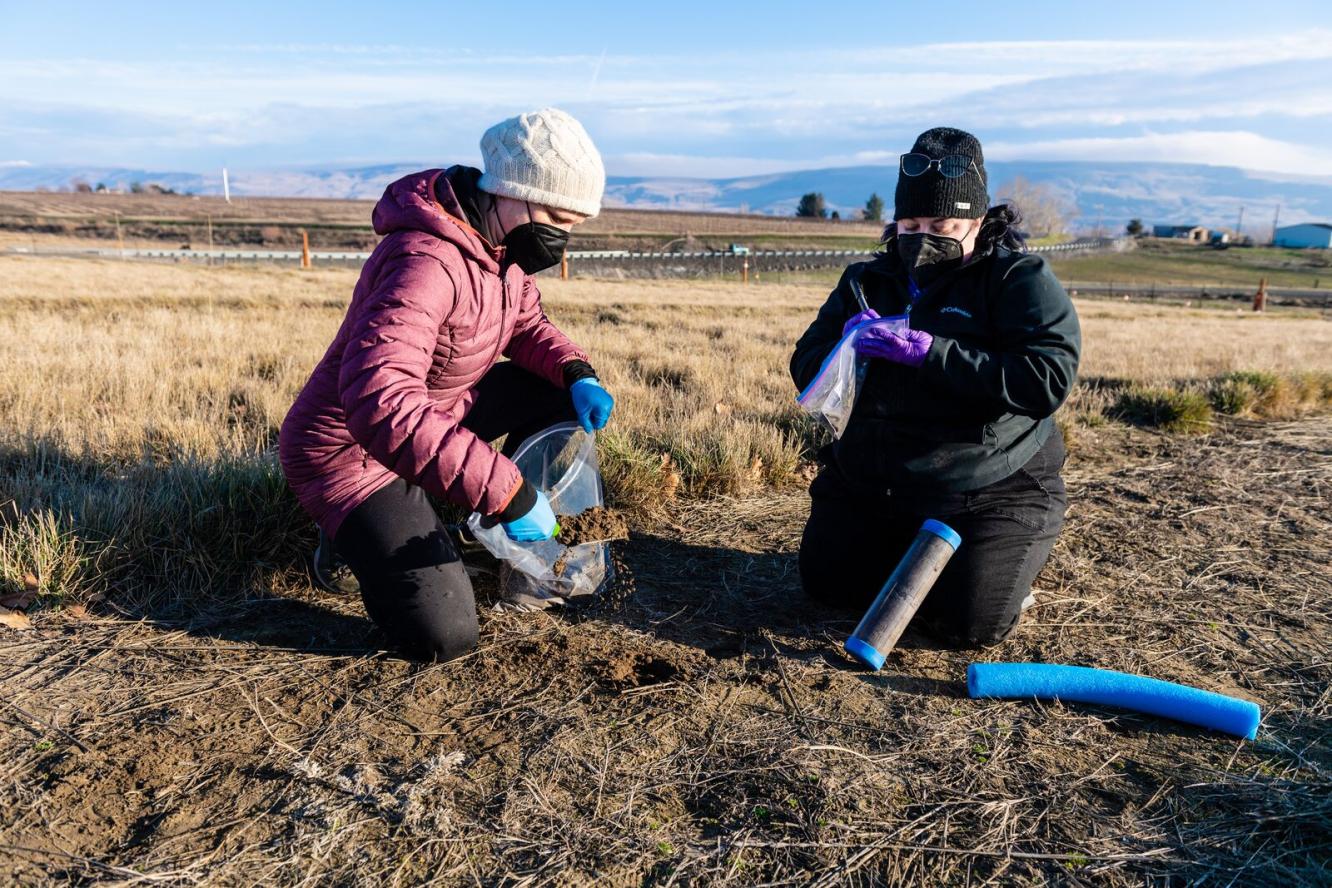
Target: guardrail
1210 291
574 256
192 255
729 262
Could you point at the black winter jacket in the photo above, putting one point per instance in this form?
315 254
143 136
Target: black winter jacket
1004 357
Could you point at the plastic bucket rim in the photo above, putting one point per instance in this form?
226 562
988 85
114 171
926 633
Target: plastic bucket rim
568 477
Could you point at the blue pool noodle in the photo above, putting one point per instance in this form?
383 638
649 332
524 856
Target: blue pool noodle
1103 687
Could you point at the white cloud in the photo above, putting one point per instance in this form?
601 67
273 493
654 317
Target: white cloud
716 114
1059 57
1218 148
643 163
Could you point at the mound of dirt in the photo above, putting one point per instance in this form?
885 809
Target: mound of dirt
593 526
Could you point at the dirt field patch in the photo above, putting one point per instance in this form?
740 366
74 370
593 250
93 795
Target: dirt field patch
707 728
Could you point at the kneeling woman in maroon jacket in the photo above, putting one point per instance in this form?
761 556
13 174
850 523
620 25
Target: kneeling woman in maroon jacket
407 397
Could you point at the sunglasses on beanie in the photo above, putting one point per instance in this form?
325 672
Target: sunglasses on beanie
953 166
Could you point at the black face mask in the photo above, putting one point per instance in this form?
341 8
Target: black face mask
535 246
928 257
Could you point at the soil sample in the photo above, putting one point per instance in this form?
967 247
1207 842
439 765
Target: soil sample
593 526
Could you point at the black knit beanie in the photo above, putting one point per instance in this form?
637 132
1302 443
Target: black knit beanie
935 195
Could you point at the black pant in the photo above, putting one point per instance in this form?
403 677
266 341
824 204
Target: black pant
855 537
412 579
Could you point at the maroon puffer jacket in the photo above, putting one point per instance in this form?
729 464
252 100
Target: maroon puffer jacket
429 316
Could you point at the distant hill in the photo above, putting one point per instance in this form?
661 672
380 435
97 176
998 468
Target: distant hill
1106 194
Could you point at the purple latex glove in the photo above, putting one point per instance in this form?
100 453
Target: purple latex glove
908 347
868 314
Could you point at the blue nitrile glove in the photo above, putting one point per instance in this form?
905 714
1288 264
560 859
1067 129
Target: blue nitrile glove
592 402
537 524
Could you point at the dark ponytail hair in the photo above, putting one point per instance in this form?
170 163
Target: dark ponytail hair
999 228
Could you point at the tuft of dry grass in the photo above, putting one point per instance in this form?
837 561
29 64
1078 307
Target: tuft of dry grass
1187 412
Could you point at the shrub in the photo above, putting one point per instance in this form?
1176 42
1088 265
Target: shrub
1171 410
1240 392
1269 395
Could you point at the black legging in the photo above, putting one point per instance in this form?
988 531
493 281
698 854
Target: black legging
855 538
412 579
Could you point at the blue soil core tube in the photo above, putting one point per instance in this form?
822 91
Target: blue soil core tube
1104 687
900 597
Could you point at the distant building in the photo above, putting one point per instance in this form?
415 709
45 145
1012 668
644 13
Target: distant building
1309 234
1220 237
1195 233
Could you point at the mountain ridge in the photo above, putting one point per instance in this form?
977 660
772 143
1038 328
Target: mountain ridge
1105 194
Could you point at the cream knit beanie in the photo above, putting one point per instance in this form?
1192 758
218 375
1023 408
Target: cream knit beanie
545 157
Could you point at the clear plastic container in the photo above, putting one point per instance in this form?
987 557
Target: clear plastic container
561 461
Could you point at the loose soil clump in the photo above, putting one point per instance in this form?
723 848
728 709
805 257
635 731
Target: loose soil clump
593 526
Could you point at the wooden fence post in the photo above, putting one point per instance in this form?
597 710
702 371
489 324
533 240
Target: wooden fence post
1260 298
305 248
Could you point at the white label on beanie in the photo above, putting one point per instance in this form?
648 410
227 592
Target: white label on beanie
962 206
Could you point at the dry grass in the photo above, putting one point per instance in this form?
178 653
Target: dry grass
114 360
212 719
319 211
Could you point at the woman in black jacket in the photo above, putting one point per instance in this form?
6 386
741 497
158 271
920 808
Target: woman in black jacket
953 420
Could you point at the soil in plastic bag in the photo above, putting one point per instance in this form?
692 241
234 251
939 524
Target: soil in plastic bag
561 461
593 526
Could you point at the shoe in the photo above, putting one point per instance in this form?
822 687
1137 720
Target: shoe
330 572
476 558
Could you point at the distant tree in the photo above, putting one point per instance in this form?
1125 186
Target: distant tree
136 188
1134 227
811 206
874 208
1045 213
836 216
81 186
101 188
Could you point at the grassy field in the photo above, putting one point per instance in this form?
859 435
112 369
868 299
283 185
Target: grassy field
183 707
1176 262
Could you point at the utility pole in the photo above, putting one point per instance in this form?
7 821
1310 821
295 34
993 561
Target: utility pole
1276 217
1239 226
226 187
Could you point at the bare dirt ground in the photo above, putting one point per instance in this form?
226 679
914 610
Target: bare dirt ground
701 726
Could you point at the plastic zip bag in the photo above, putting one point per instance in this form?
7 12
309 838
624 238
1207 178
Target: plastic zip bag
561 461
831 396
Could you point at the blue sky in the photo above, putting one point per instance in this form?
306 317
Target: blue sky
704 89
